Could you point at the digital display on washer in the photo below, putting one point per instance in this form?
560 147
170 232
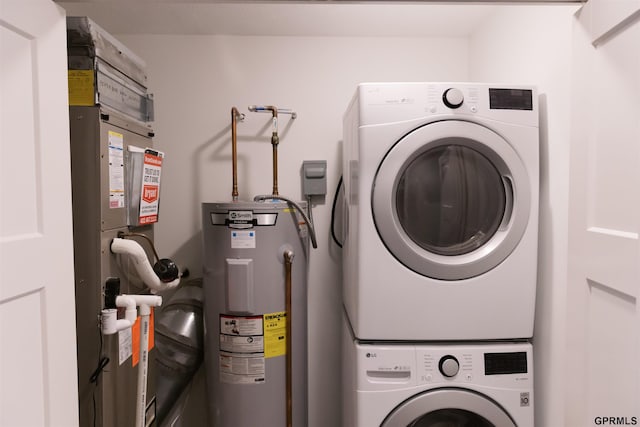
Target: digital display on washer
505 363
510 99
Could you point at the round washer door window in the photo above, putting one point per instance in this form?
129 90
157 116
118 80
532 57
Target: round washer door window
451 407
451 200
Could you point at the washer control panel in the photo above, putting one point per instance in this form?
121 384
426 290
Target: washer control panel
405 365
491 364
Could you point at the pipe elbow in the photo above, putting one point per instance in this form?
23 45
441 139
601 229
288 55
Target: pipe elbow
129 304
288 256
141 264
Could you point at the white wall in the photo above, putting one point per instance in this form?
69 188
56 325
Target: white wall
197 79
532 45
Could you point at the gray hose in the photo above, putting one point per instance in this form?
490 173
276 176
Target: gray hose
312 231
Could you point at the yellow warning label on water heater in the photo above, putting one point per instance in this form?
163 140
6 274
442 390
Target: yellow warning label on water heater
81 90
275 334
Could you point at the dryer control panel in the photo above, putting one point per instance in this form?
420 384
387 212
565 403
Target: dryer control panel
392 102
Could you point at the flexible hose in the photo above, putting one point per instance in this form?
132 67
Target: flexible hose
333 214
312 231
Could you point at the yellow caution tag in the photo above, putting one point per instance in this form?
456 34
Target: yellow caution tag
275 334
81 84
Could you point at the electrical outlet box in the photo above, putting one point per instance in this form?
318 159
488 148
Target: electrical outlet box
314 178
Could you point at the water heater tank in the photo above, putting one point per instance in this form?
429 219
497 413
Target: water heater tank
245 313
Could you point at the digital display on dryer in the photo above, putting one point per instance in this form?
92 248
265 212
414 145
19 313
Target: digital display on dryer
505 363
510 99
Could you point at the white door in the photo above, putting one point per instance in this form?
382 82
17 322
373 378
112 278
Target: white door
604 246
38 380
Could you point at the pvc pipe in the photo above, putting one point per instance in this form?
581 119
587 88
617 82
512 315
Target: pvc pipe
141 263
109 321
130 313
141 405
110 324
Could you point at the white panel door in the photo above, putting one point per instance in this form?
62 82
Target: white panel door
603 358
38 380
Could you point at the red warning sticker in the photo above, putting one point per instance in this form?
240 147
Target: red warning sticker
150 193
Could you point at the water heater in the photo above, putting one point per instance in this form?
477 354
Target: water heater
255 297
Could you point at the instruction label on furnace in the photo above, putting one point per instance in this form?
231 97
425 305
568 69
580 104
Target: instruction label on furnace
241 359
116 170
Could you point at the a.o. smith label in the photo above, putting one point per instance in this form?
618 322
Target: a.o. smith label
240 217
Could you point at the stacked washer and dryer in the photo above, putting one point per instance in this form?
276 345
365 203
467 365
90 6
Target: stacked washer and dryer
440 254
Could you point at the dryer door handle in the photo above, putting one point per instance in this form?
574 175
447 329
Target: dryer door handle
507 181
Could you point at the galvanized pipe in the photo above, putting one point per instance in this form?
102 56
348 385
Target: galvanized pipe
275 140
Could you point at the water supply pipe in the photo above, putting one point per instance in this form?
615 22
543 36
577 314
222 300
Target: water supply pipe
235 116
288 263
275 139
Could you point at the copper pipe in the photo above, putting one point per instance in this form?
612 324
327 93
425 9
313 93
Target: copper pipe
288 262
274 137
235 115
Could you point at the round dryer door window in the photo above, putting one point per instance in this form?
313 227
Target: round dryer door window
451 200
451 407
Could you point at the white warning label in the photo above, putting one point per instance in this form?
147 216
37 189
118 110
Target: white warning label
238 344
241 349
240 325
243 239
241 369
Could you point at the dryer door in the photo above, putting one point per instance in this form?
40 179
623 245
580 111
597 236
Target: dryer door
451 200
450 407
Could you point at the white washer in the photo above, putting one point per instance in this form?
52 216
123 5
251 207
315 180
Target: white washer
441 188
456 385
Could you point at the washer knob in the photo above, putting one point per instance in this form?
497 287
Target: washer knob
449 366
453 98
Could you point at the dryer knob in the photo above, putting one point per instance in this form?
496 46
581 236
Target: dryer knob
449 366
453 98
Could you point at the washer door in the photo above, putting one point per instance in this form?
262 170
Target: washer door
451 200
450 407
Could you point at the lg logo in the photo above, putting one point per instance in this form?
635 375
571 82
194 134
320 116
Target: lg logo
371 355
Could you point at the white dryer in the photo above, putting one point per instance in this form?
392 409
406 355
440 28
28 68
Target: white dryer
454 385
441 188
